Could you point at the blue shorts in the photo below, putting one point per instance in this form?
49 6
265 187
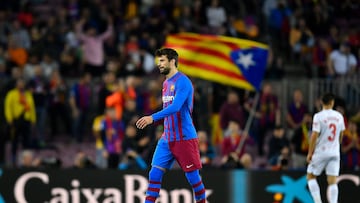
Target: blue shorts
185 152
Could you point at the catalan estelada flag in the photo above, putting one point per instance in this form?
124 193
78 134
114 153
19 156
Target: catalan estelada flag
226 60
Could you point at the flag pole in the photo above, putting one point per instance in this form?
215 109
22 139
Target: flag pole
249 122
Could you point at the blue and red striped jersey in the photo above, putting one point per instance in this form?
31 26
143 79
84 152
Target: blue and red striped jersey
177 97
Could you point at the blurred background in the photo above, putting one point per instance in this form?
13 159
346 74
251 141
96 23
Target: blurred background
76 74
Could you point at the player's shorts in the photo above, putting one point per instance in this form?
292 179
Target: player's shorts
185 152
319 162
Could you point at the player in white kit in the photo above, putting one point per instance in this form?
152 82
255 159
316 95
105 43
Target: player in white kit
324 149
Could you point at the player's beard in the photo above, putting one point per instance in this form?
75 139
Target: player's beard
164 70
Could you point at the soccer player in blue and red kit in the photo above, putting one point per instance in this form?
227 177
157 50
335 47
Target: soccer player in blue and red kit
179 140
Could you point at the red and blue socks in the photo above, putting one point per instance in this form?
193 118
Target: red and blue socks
155 178
196 183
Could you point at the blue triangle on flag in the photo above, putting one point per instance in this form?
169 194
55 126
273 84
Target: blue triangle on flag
252 64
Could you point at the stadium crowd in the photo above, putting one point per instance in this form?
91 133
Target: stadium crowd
83 71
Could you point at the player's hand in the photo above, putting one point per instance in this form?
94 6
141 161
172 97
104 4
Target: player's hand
144 121
308 158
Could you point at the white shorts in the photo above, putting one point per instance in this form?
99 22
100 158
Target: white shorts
319 162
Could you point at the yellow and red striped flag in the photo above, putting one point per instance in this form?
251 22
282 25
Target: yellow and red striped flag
226 60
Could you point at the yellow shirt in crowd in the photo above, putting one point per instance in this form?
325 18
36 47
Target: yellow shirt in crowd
18 104
97 126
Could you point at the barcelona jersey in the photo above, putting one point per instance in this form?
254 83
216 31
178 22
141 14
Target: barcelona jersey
177 97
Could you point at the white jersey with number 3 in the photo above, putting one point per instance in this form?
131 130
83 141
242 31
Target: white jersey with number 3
329 124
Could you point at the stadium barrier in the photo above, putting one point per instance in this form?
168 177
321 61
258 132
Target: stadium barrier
112 186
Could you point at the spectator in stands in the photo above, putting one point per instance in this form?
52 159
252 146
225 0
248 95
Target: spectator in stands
283 161
106 89
49 65
80 102
296 110
151 98
4 128
93 46
20 115
318 20
246 162
231 110
276 69
130 111
100 154
207 152
320 56
278 142
16 55
15 75
123 90
3 72
71 40
267 115
216 16
279 24
354 38
302 41
27 160
141 61
25 15
340 106
113 130
334 37
133 64
350 147
58 108
73 9
300 142
341 62
82 161
131 154
185 20
201 101
5 27
117 98
39 86
233 146
69 63
30 66
159 129
199 14
3 57
20 35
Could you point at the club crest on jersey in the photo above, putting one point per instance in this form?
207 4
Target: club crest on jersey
172 88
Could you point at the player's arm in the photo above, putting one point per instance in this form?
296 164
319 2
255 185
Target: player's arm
79 29
182 92
314 136
109 30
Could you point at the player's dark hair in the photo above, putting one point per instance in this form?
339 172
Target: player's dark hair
169 53
327 98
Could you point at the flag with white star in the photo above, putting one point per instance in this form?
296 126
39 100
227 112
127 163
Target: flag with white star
251 63
226 60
